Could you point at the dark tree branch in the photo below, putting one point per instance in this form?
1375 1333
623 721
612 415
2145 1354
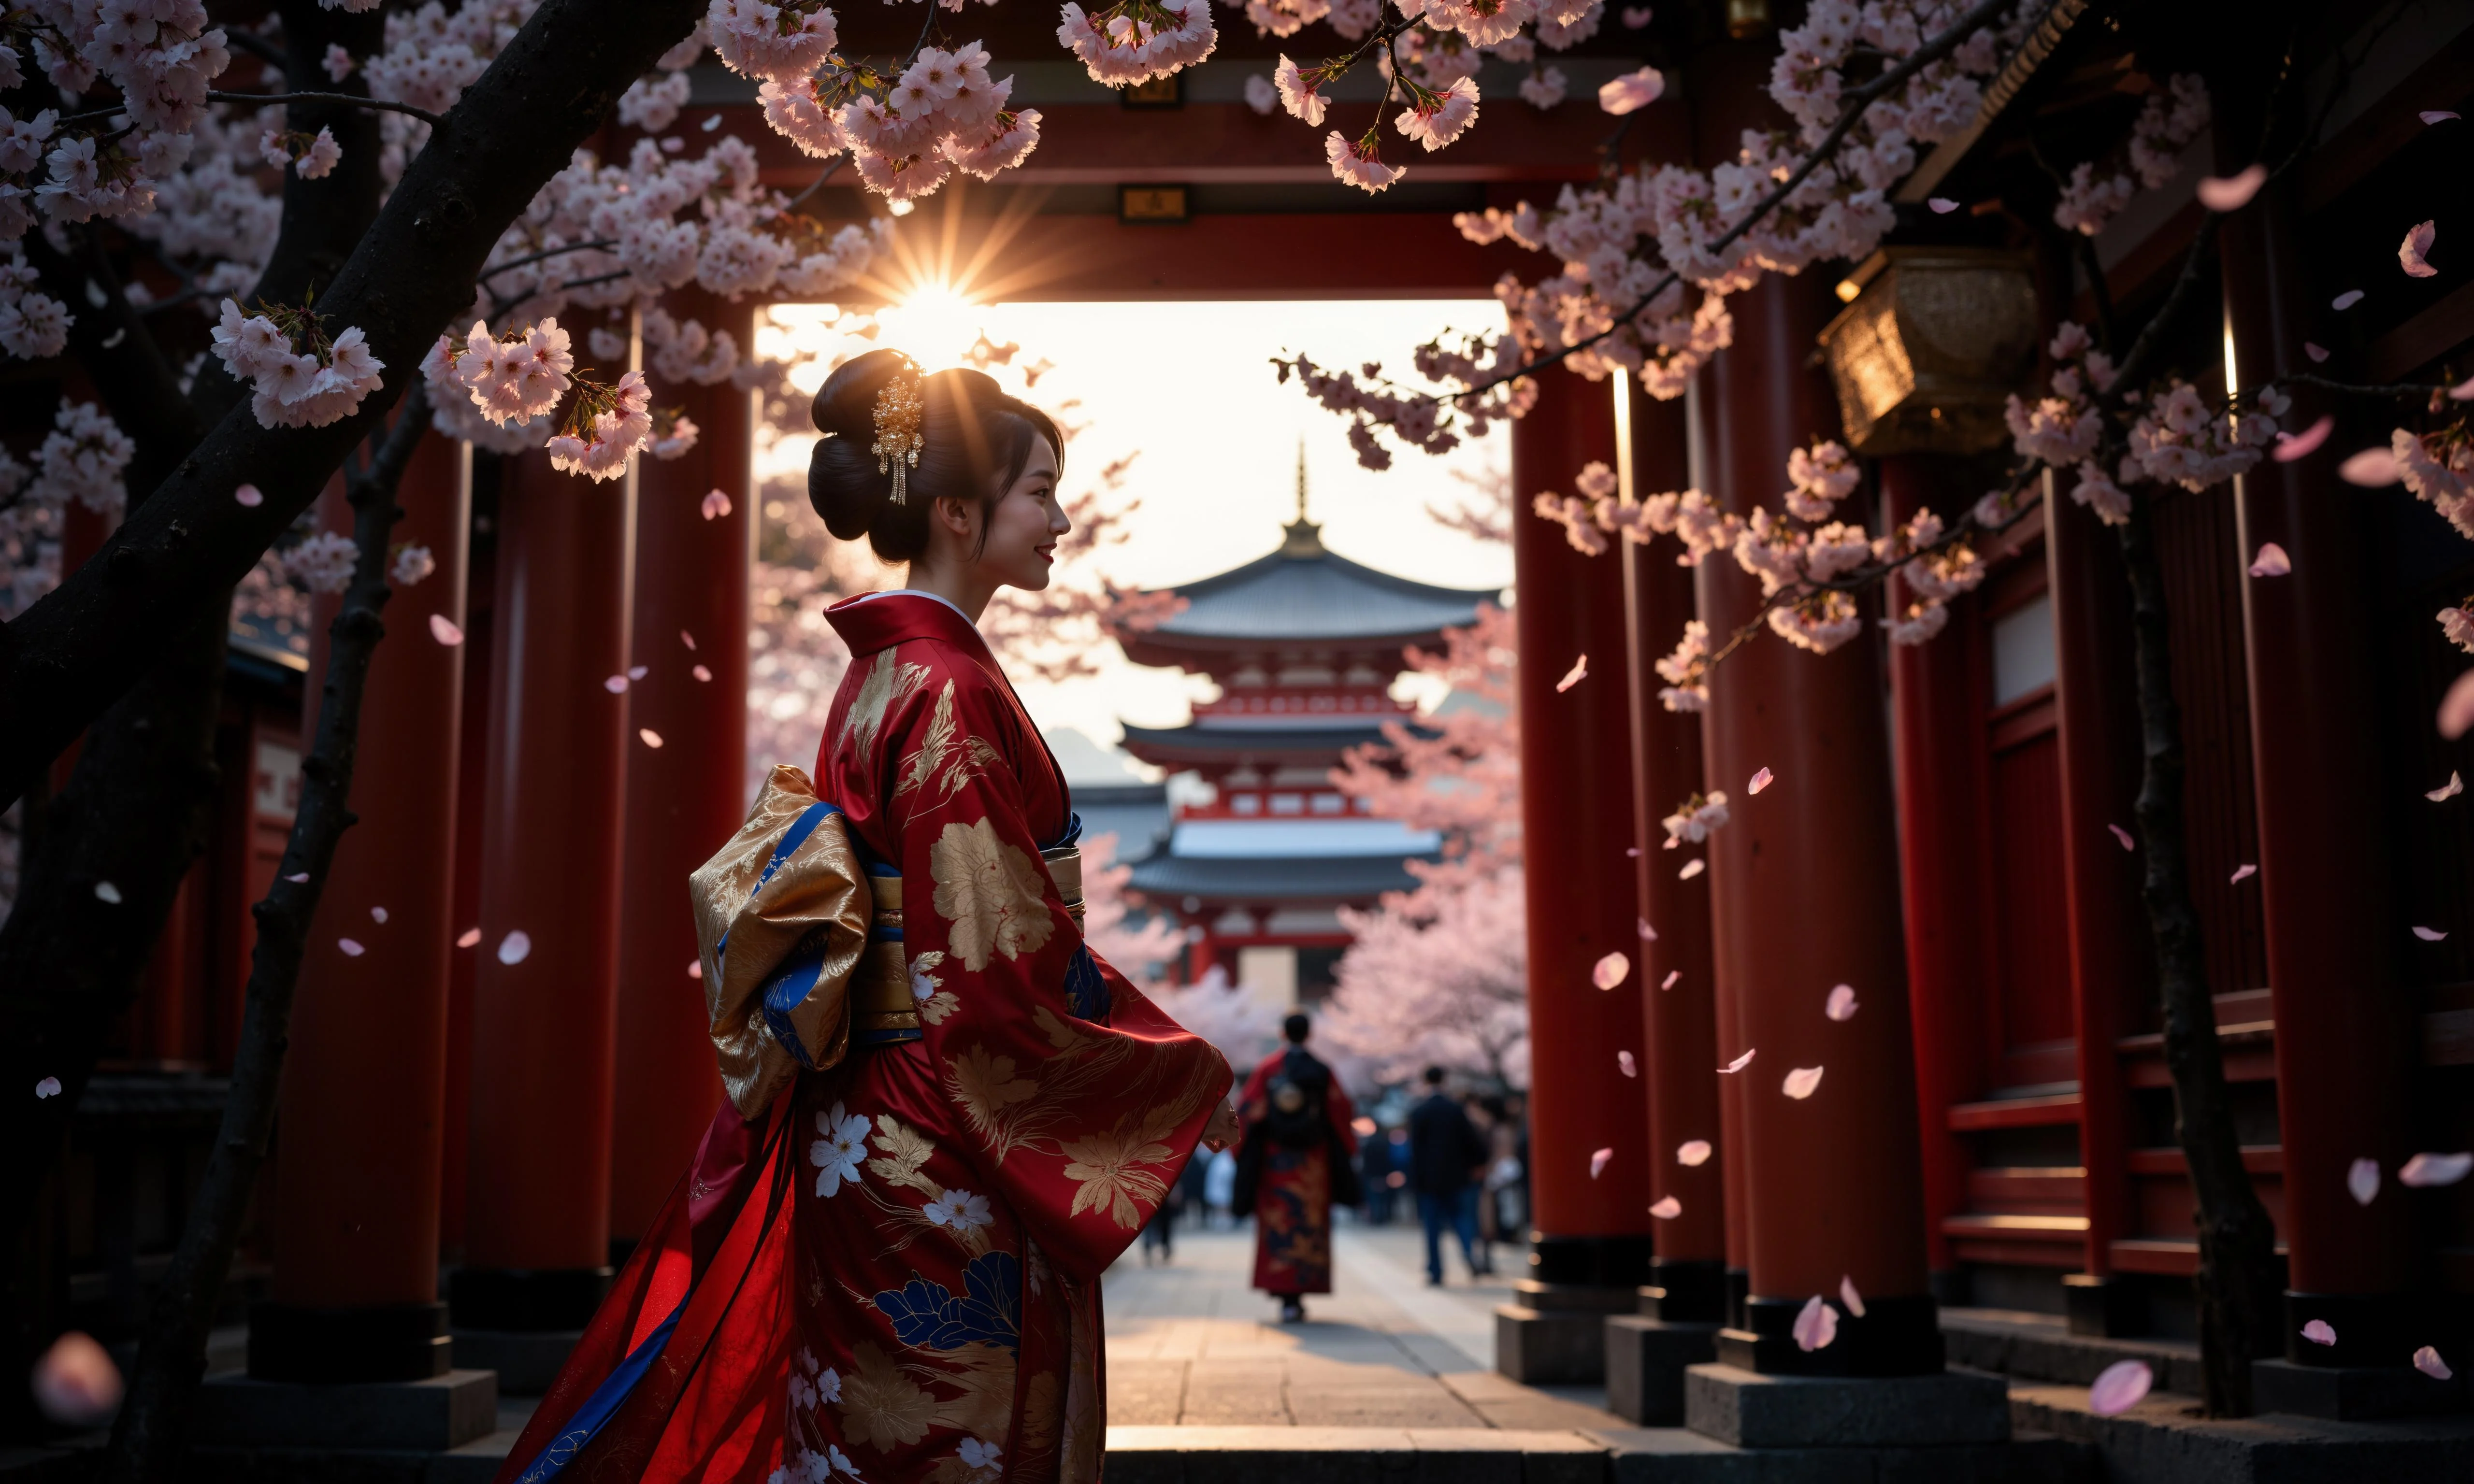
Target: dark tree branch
340 99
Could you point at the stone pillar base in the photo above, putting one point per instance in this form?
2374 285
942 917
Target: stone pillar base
1751 1410
1555 1334
2353 1393
424 1416
398 1342
2105 1307
1646 1359
527 1361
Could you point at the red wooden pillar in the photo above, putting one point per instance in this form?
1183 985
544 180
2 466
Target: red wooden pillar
537 1216
686 725
355 1219
2346 1030
1805 896
1676 982
1577 823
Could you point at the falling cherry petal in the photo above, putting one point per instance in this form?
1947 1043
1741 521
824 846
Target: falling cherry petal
1573 676
615 685
1598 1161
1848 1295
687 638
2318 353
515 947
49 1086
2427 1361
1841 1004
2426 1170
2454 785
467 938
1610 970
1635 17
2436 115
2271 561
1691 868
649 736
2119 1387
2463 392
2430 934
2363 1180
106 892
2318 1331
2244 872
74 1382
1672 975
715 505
701 673
1668 1208
1801 1083
444 629
1816 1325
1624 1061
351 948
2347 300
1672 841
2123 835
2456 707
638 672
377 914
2373 468
2222 193
695 969
1648 934
1761 781
1692 1152
2410 252
299 879
2290 446
1632 853
1739 1063
250 495
1942 206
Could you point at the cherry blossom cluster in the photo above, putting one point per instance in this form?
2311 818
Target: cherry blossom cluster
603 426
311 156
299 377
2181 439
1136 40
33 324
160 55
1695 818
82 460
2438 468
1418 419
321 561
2167 124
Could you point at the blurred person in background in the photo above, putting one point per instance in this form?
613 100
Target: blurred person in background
1293 1166
1446 1158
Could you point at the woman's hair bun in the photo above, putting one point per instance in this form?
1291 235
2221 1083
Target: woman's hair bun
975 442
845 405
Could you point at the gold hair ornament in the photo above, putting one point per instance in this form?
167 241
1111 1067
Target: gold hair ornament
898 411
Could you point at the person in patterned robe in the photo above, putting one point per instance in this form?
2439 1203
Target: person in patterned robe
890 1273
1295 1178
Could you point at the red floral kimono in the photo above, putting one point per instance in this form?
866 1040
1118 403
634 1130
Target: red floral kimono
1293 1195
891 1275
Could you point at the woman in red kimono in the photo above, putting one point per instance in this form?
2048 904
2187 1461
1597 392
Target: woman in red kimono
1298 1141
889 1274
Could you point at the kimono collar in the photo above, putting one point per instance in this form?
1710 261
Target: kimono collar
880 620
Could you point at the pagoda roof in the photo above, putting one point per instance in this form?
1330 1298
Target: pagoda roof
1184 746
1273 879
1305 594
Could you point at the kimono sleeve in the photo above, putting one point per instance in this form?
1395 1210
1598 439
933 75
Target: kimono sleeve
1080 1125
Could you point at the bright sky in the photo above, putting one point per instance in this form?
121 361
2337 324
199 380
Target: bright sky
1190 386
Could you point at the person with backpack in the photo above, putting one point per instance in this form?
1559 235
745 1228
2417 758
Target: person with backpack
1293 1167
1447 1160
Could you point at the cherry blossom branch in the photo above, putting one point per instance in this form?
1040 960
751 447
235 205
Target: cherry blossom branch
341 100
545 254
816 184
2408 390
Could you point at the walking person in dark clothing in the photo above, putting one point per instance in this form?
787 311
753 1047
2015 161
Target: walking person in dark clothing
1447 1160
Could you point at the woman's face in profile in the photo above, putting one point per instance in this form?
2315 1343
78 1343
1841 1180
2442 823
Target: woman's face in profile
1026 523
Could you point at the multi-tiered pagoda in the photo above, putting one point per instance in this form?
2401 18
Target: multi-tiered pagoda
1304 645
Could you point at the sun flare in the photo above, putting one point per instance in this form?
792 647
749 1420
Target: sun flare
935 323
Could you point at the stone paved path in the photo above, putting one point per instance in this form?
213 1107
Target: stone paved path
1190 1344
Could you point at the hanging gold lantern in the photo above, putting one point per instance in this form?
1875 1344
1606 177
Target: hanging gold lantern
1931 343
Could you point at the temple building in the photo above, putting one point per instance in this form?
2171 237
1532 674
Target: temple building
1304 645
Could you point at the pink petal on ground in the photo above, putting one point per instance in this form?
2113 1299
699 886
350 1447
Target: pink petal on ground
2425 1170
515 947
1841 1004
2290 446
2244 872
2318 1331
1573 676
468 937
2411 252
74 1382
695 970
1610 970
2373 468
351 949
1942 206
2318 353
1672 975
715 505
648 736
1668 1208
615 685
2363 1180
1801 1082
444 629
2430 934
687 638
1692 1152
701 673
1691 869
2436 115
1816 1325
2231 193
1648 934
2454 785
49 1086
2427 1361
2456 707
250 495
1624 1061
2123 835
2271 561
377 914
2119 1387
1848 1295
1598 1161
2347 300
1739 1063
1761 781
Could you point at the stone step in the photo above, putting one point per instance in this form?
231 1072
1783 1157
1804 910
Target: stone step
2162 1440
2040 1348
1352 1455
